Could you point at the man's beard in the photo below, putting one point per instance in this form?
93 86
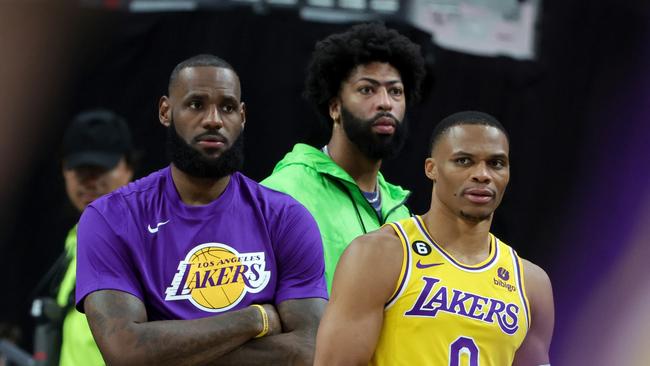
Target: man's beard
193 162
374 146
475 218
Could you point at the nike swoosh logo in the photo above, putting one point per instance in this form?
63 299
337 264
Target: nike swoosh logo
423 266
154 230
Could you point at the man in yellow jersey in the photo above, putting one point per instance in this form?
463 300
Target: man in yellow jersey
440 289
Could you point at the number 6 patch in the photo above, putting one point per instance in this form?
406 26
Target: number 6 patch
421 247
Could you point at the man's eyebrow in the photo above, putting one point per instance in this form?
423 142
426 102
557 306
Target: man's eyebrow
203 95
500 156
195 95
231 99
377 82
461 152
492 156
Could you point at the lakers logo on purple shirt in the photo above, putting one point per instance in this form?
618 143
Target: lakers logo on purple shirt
215 277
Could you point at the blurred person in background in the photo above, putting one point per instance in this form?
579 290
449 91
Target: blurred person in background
97 159
360 81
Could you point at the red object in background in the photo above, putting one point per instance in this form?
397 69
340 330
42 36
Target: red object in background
40 356
111 4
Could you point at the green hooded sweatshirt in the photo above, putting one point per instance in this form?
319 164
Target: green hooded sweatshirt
334 199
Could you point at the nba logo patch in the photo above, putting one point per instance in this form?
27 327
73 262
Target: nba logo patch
215 277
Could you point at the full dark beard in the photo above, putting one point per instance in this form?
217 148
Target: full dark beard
373 146
191 161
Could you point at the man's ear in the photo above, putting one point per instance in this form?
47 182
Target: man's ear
430 169
335 110
164 111
242 113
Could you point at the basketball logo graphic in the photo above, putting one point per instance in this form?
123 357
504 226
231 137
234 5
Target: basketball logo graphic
215 277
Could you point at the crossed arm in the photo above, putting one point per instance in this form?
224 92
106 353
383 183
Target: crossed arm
119 325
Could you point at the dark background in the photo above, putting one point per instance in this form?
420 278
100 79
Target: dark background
570 114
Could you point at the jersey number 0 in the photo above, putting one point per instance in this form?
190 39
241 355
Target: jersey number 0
463 346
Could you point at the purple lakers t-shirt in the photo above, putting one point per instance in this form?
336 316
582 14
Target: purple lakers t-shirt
252 245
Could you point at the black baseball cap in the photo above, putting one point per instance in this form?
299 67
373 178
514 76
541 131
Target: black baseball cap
96 138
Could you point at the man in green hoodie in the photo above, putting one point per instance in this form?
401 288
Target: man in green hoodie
360 82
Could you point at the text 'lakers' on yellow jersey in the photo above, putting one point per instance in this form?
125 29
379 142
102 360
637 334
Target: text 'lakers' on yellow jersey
445 313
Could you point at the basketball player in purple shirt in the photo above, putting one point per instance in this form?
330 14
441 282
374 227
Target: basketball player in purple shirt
196 264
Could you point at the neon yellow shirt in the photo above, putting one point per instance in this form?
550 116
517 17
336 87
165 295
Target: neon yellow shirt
78 347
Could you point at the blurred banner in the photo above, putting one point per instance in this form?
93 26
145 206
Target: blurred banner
479 27
476 27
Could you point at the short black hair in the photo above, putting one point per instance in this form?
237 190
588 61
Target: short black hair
464 118
197 61
336 56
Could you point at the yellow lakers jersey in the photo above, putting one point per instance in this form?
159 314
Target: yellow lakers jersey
446 313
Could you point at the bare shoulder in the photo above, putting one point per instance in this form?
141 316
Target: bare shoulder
536 278
371 263
540 294
378 244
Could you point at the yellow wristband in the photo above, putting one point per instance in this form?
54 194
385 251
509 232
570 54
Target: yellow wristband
265 321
